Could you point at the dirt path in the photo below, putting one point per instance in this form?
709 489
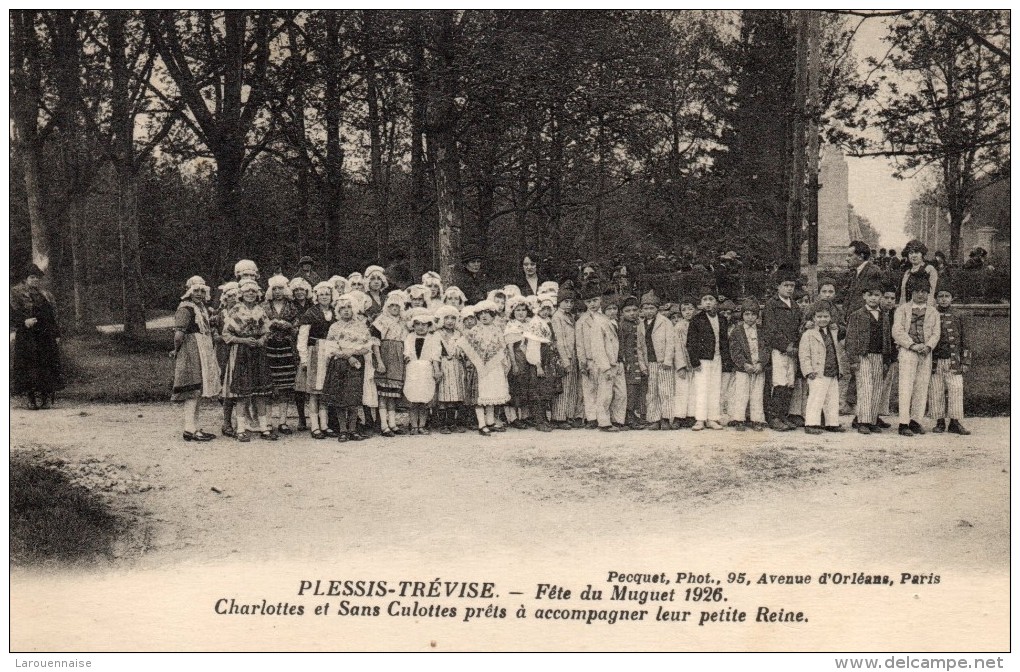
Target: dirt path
579 499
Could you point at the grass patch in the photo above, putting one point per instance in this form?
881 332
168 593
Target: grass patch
115 368
54 520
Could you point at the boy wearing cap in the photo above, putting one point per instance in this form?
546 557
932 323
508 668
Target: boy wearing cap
868 351
606 366
823 364
659 338
567 407
951 359
890 382
585 362
747 408
706 340
781 321
916 330
635 362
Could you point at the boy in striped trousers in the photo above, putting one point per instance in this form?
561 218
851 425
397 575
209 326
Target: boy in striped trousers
950 360
869 350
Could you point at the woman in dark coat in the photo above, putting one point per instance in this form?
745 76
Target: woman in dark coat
35 370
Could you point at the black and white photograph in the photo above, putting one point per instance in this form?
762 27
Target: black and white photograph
510 330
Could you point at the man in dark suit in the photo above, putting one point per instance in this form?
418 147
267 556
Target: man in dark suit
866 273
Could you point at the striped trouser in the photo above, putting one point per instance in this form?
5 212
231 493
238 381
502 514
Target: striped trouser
870 378
915 372
566 404
798 399
748 397
661 387
945 381
683 394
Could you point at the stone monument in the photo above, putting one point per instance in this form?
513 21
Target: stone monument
833 209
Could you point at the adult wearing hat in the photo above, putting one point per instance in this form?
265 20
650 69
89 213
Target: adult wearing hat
306 270
473 281
36 370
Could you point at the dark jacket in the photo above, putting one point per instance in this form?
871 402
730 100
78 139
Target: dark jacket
475 287
740 349
952 345
701 340
854 297
780 324
858 335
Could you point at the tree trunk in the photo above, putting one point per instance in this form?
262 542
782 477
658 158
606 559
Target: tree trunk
123 123
42 235
381 224
79 269
421 256
335 156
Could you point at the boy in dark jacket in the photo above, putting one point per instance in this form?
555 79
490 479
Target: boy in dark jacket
869 350
781 331
706 342
747 351
950 360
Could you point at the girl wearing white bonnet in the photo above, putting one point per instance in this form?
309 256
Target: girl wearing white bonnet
434 282
313 327
280 346
450 393
389 375
196 373
248 379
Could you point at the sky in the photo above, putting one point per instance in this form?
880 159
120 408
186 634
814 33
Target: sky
874 192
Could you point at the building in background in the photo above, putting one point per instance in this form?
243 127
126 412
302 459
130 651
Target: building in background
987 225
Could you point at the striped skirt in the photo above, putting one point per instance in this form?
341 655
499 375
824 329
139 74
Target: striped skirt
451 387
661 390
391 383
568 405
282 364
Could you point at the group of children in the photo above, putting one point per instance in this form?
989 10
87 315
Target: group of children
347 353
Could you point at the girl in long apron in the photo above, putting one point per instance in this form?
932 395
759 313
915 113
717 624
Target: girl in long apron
344 383
228 299
544 370
389 376
248 378
519 379
419 372
280 348
485 346
313 327
196 372
301 292
362 304
467 323
450 394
